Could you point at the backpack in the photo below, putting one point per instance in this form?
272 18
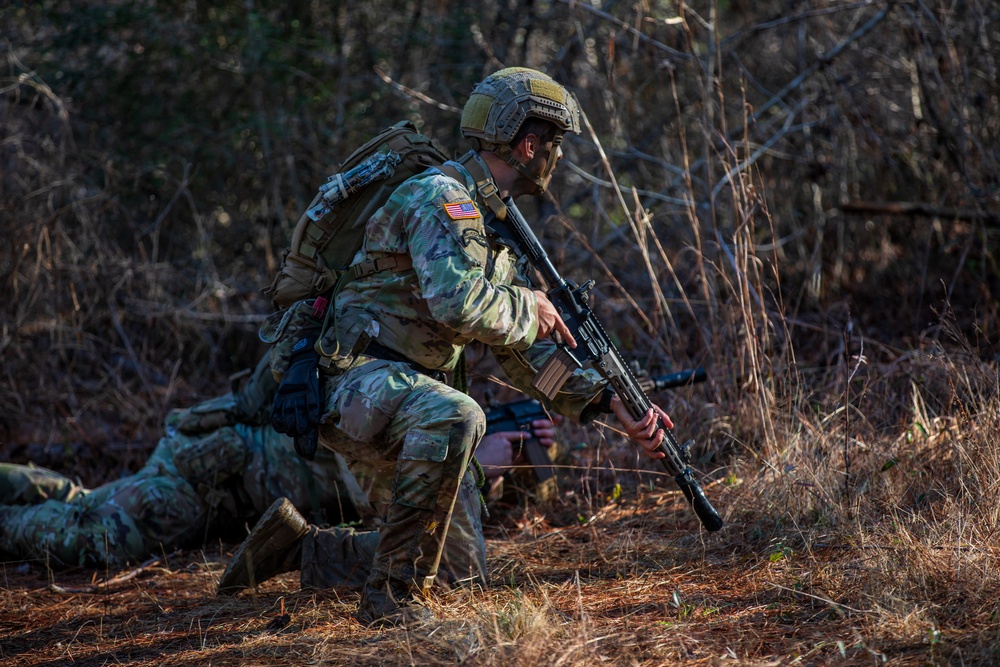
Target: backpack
330 232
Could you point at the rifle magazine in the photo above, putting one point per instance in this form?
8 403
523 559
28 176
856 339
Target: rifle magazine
554 373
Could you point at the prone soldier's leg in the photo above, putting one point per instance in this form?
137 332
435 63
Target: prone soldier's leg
31 484
111 525
89 531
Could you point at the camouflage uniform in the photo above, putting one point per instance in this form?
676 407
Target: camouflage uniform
194 485
119 522
165 505
214 478
395 419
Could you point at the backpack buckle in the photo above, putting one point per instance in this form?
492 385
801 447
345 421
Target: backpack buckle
487 188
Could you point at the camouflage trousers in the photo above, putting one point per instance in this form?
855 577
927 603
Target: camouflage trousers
343 556
47 516
414 436
191 488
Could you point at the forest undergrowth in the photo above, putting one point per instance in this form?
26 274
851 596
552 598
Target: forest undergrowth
753 205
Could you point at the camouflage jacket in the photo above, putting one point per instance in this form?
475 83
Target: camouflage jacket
461 286
464 284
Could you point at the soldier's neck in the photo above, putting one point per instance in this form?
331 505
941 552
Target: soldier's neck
509 181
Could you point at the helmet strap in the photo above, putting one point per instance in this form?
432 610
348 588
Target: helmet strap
523 169
550 166
505 153
541 182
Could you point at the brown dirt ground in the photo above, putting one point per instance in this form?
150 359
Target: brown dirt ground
634 584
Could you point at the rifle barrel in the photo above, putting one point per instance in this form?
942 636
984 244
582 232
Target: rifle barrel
679 379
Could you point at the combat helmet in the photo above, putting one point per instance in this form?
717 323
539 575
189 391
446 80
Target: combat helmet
501 103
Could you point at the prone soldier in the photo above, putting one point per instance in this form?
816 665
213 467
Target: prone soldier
217 468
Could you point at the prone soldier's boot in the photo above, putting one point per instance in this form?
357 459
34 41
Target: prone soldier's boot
273 547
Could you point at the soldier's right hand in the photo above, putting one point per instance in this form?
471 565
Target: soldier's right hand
297 403
549 320
496 452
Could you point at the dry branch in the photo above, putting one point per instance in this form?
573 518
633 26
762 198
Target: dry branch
920 209
105 585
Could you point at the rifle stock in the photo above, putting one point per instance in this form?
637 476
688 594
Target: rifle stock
594 346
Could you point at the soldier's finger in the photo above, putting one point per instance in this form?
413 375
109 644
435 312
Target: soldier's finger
565 333
664 417
646 427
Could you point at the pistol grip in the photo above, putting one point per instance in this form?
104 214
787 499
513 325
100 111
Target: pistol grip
539 460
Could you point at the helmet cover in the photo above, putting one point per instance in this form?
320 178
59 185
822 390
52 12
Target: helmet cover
501 103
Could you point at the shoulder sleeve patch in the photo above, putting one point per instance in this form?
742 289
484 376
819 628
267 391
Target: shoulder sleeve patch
461 210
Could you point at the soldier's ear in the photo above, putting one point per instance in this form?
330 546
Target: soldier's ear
527 146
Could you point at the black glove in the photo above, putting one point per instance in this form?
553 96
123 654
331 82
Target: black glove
305 444
296 409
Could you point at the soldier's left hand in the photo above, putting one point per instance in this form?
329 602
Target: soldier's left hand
644 432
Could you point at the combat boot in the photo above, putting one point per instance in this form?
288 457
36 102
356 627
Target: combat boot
273 547
382 607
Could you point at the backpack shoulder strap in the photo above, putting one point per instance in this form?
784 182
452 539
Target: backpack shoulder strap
485 186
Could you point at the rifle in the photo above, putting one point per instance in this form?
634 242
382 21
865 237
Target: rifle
517 416
671 380
596 347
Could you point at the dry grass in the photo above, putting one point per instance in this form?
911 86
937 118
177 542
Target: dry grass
634 584
899 569
847 434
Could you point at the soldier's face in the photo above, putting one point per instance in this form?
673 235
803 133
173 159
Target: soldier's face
545 159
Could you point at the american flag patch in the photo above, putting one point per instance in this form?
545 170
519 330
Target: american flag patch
461 210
